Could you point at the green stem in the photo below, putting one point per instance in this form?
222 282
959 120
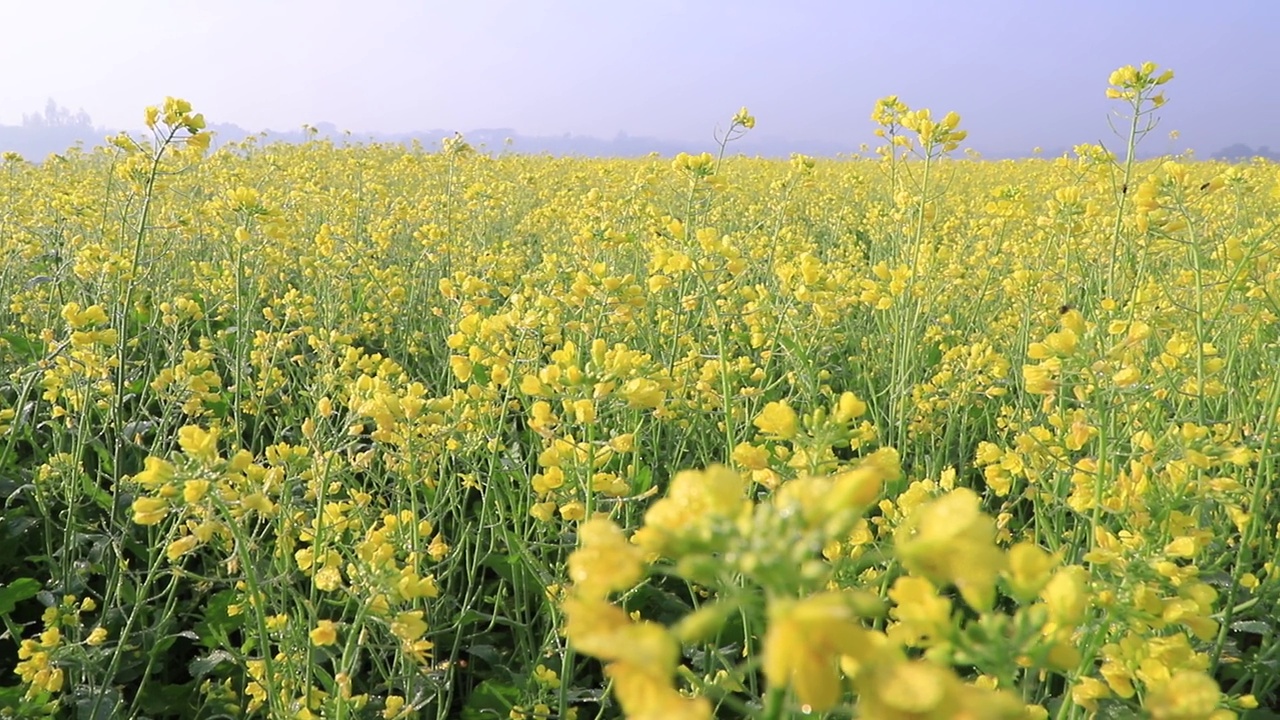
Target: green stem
1131 144
774 703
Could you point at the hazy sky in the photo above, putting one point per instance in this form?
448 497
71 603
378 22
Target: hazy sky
1020 72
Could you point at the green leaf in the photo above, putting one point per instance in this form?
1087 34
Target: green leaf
932 356
12 528
642 481
1113 710
1256 627
170 700
488 698
217 625
15 592
91 488
205 665
488 653
24 347
474 617
658 604
793 348
504 566
11 699
102 705
135 428
219 407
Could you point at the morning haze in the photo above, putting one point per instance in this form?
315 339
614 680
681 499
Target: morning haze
664 73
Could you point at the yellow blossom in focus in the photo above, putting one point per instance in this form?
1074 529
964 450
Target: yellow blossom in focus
1039 379
751 457
324 633
181 546
642 393
546 677
156 472
149 510
409 626
97 637
849 408
198 443
193 491
778 420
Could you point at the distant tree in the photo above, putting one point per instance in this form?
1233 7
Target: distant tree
1238 151
56 116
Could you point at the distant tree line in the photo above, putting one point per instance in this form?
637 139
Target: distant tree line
1241 152
56 116
53 131
58 128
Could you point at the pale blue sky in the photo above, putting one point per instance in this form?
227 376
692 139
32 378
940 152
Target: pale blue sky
1021 73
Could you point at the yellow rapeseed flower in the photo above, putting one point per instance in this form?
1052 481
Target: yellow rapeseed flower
1187 695
324 633
155 473
97 637
693 499
198 443
648 695
150 510
606 562
1029 570
778 420
804 642
409 626
950 540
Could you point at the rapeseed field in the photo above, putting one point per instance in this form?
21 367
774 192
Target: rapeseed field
374 431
